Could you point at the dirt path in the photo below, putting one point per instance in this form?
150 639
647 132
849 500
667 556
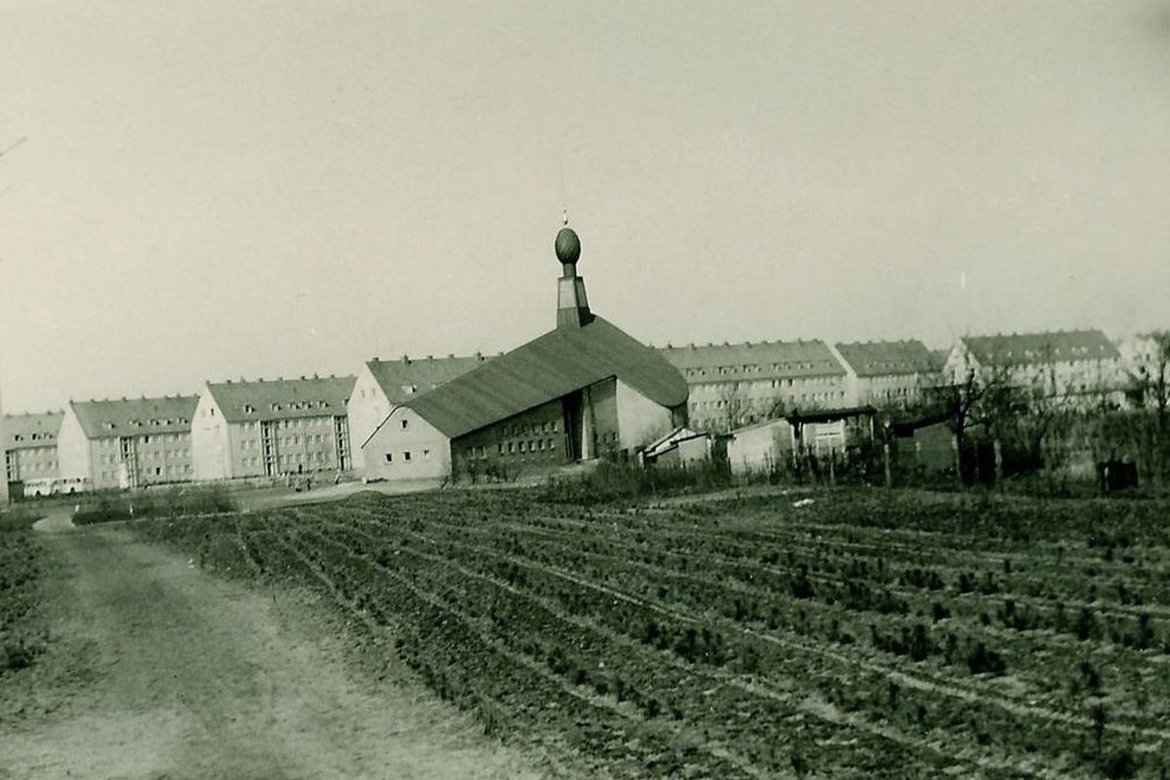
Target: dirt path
195 677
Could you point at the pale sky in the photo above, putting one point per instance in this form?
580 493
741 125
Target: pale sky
218 189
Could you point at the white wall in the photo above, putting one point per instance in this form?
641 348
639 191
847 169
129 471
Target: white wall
640 420
368 406
430 450
759 447
210 453
73 451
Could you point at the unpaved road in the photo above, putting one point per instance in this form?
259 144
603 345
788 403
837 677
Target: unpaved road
192 676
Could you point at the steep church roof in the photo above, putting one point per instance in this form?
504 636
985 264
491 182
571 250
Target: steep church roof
546 368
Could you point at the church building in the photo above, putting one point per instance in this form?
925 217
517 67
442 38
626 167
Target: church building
582 391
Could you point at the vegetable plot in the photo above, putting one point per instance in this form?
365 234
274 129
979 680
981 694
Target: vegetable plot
868 634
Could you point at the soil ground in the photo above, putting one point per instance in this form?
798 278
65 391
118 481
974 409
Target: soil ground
159 670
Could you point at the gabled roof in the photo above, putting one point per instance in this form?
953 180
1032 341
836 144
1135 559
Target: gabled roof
885 358
25 431
135 416
544 369
280 399
402 379
1024 348
761 360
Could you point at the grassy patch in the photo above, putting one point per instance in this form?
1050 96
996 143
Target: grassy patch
21 569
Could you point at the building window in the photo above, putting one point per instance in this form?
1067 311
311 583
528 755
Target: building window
426 454
404 423
406 456
389 457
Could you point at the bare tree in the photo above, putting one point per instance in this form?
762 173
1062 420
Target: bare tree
1150 388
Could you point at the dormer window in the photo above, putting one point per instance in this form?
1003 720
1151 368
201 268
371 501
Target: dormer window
249 409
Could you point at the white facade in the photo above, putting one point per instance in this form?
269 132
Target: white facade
640 420
407 447
1072 380
760 448
74 450
210 445
368 406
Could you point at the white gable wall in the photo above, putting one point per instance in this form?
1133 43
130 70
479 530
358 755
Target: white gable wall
759 448
210 450
368 406
640 420
407 447
73 451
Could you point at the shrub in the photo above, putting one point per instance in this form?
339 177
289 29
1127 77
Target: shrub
108 507
611 482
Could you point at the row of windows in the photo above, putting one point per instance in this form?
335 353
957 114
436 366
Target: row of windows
35 436
755 368
109 426
292 440
296 459
176 454
718 388
173 470
528 429
406 457
35 465
112 441
723 403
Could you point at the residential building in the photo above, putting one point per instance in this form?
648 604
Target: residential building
733 385
30 446
582 391
383 384
1146 361
887 374
268 428
1078 367
127 443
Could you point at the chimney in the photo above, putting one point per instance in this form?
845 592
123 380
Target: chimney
572 303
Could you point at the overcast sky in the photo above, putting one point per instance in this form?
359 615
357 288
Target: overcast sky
224 189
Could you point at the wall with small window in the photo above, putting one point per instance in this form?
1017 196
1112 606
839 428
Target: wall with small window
406 447
533 439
